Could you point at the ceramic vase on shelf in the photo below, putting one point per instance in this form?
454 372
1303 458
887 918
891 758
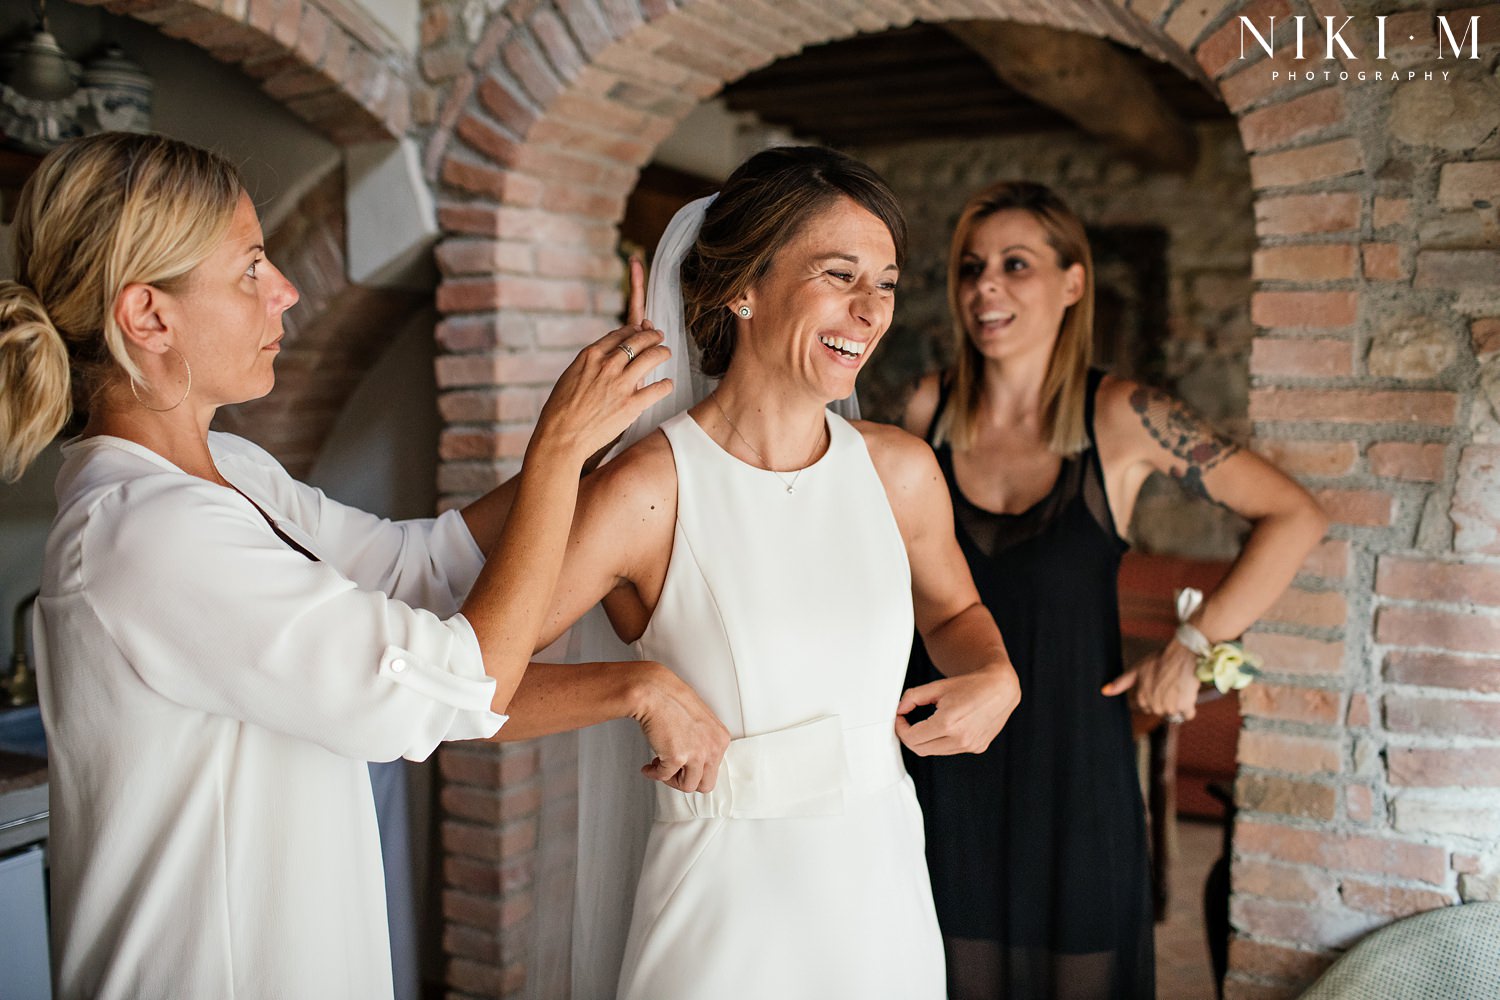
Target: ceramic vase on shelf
119 92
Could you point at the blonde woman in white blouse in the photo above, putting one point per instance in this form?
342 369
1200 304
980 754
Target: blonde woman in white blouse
222 647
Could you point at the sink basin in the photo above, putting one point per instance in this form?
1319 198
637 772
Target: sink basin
21 731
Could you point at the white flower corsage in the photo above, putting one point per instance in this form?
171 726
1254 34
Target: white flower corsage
1227 665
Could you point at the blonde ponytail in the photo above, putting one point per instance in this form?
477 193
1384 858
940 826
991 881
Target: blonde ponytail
34 381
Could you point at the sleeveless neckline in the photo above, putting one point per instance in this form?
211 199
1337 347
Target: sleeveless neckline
708 438
1079 480
810 796
1057 484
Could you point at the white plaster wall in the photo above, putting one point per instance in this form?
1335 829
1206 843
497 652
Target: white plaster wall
213 105
712 140
201 100
398 17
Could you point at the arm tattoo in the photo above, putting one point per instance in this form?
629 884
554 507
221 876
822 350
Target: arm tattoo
1177 429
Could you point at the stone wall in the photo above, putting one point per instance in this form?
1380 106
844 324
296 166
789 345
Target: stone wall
1203 350
1368 787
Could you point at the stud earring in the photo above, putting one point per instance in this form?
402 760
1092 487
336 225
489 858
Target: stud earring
744 312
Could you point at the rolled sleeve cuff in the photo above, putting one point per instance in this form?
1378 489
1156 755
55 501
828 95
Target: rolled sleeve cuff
448 670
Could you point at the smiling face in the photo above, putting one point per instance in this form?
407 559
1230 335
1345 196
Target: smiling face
228 315
825 302
1011 291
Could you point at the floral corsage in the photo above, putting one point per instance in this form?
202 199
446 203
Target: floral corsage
1227 665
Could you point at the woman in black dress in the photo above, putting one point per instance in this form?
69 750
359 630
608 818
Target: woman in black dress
1037 847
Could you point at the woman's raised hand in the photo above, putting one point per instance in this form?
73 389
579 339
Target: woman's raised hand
600 393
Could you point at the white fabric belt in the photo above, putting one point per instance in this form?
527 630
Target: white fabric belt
804 770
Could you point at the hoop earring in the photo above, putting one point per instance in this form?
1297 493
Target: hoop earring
186 389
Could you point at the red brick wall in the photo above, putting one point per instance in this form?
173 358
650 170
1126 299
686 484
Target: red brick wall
1370 768
1368 778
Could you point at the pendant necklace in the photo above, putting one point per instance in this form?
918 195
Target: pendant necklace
788 483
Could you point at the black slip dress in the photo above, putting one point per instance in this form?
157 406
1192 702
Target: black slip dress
1037 847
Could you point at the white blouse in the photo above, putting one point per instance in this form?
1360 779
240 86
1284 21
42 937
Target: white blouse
211 696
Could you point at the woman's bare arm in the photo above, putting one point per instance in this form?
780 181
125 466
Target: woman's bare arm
619 546
979 690
1148 430
921 405
594 400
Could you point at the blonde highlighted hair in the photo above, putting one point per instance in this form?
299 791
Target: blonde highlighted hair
1065 385
99 213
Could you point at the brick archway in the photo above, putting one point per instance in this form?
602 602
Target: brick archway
327 61
536 150
1375 331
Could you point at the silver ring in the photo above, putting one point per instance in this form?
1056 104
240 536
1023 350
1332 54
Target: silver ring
628 352
1174 717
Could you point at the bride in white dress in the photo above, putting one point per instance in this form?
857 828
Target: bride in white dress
774 556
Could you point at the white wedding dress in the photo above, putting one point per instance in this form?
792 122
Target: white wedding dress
790 612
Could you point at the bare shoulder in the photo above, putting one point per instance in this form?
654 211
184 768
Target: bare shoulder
903 461
1113 386
913 480
922 403
1153 425
890 442
639 482
1116 405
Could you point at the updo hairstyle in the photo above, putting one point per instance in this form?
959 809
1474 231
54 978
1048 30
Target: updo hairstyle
99 213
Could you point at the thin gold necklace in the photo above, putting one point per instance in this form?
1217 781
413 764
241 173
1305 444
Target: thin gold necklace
788 483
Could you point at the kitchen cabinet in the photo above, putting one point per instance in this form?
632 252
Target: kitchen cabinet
24 815
24 967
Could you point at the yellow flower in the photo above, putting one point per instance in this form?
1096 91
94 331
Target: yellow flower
1228 667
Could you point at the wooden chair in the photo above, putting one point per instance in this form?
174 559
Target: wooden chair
1148 618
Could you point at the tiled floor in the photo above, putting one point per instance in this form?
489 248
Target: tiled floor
1183 971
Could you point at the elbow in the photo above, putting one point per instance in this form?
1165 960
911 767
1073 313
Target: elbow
508 681
1015 691
511 733
1015 682
1298 516
1315 518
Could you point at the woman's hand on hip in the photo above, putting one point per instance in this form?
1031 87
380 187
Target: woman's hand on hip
1164 682
970 710
688 739
600 393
